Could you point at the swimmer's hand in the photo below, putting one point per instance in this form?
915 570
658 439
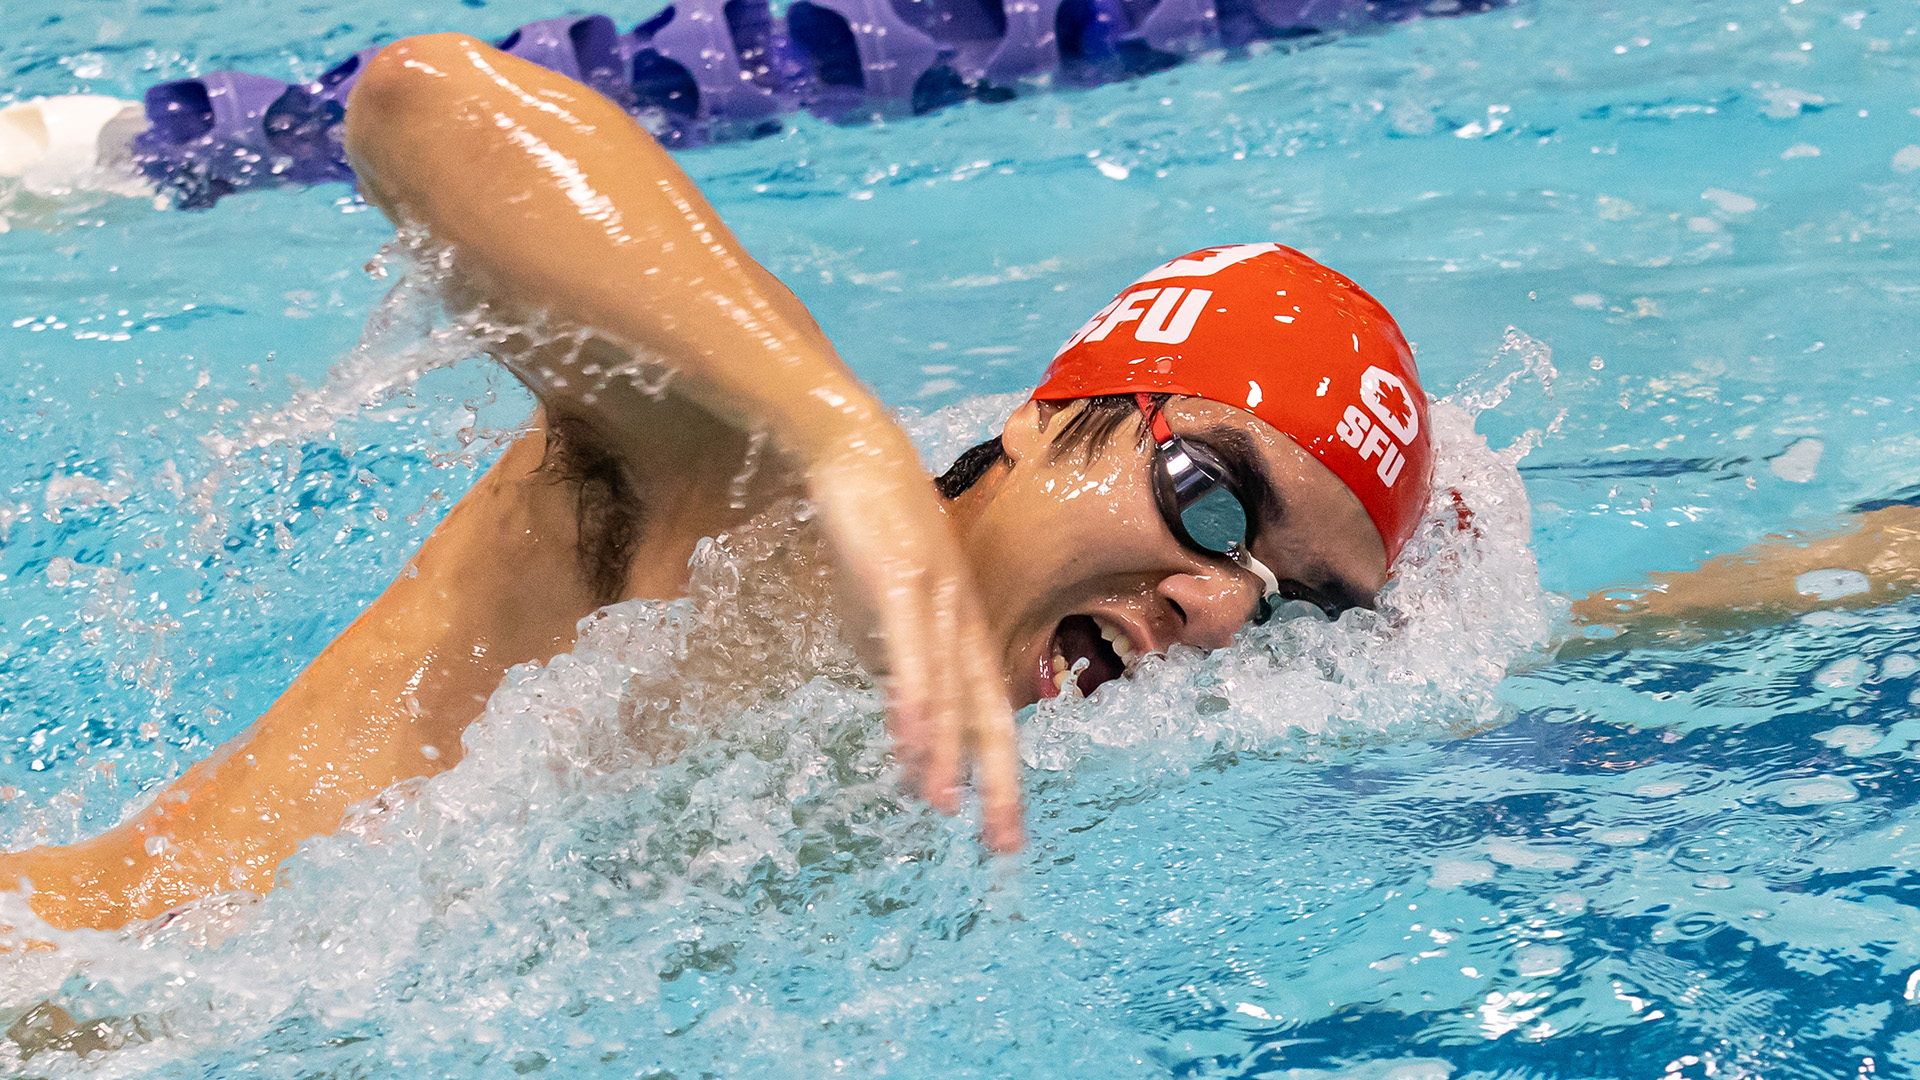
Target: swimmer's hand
555 207
920 619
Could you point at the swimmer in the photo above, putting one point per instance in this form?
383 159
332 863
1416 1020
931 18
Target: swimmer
1056 553
1240 429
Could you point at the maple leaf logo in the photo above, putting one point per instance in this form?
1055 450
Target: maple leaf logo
1393 398
1386 394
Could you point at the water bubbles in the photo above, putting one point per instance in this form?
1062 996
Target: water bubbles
1622 837
1730 202
1798 463
1851 739
1539 960
1831 584
1817 792
66 493
1526 856
1569 903
1785 102
1454 873
698 800
1848 671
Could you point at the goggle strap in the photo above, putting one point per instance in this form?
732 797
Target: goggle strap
1156 420
1245 560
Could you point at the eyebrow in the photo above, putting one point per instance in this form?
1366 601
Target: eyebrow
1237 451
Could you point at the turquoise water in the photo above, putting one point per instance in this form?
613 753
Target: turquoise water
1409 847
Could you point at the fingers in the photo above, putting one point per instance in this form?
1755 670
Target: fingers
970 720
947 729
902 612
995 744
946 695
947 701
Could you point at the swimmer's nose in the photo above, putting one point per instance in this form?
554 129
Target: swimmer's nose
1213 606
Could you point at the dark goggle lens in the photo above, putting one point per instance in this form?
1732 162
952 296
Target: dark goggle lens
1216 520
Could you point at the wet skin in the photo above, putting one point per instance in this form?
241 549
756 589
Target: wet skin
968 602
557 209
550 206
1058 538
1757 585
1050 537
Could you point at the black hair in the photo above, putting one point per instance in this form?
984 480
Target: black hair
1088 430
969 467
607 515
1091 428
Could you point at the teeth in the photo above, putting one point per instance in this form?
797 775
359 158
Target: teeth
1122 645
1067 679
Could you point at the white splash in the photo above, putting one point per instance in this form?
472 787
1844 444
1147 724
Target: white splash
703 787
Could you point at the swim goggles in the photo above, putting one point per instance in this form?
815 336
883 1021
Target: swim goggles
1203 504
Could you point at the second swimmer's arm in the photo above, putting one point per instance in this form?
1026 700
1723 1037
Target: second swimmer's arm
1759 583
553 201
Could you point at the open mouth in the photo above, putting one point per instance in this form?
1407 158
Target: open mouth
1086 653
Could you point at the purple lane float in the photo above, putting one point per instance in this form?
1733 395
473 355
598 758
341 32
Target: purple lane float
702 71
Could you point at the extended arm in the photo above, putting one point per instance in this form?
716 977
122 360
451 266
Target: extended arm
554 201
558 210
1766 581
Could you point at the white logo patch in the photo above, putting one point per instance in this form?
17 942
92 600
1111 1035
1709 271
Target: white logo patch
1168 322
1209 265
1385 395
1165 325
1387 398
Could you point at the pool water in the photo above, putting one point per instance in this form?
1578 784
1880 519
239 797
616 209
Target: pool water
1660 260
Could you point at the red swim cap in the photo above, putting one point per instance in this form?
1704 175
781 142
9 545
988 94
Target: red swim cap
1263 328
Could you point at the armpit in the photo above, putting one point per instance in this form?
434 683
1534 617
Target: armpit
607 510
